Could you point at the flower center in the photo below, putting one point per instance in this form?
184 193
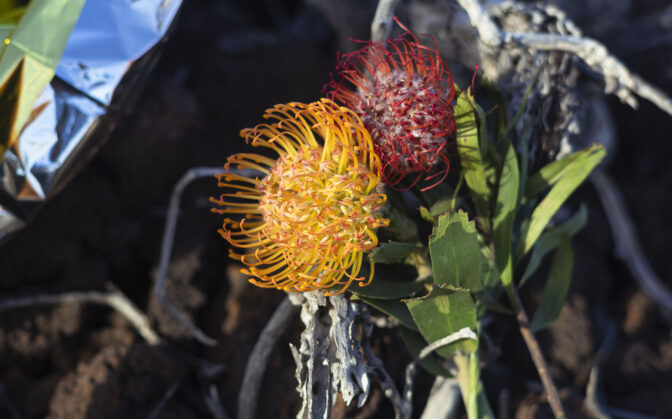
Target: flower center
406 117
312 211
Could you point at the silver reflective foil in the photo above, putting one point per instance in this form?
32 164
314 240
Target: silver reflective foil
111 47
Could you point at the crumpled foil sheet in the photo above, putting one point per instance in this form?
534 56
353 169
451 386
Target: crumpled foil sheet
111 49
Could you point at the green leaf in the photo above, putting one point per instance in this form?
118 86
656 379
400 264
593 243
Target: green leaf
414 342
564 185
523 105
507 202
392 252
471 157
524 147
499 105
489 273
388 289
441 206
488 298
442 313
425 215
402 227
388 282
434 195
455 252
393 308
556 288
550 240
552 172
30 53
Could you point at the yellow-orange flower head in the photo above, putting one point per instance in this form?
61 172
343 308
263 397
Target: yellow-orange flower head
308 222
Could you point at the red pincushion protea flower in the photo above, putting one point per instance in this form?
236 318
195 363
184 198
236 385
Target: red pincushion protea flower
402 92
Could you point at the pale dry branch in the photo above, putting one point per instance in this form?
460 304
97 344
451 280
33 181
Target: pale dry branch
168 240
409 380
114 299
488 32
164 401
381 26
256 364
444 399
402 403
213 402
628 248
617 78
592 402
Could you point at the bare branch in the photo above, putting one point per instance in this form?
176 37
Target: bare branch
409 380
489 32
115 300
382 20
164 400
213 402
159 290
628 248
592 402
617 78
403 406
444 399
537 355
256 364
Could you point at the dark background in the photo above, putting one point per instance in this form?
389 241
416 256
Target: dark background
225 63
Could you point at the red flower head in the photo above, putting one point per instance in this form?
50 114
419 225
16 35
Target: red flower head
402 92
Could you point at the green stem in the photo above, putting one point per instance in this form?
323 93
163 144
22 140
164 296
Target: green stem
457 189
462 364
469 380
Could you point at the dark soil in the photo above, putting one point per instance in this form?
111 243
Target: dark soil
225 64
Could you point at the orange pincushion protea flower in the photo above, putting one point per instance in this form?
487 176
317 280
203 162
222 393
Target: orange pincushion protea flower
308 222
402 92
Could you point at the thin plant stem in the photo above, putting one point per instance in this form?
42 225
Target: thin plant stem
256 364
535 352
453 200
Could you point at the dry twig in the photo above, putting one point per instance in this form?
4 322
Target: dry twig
402 403
382 20
159 290
114 299
164 400
213 402
628 248
256 364
618 79
537 356
444 399
592 402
